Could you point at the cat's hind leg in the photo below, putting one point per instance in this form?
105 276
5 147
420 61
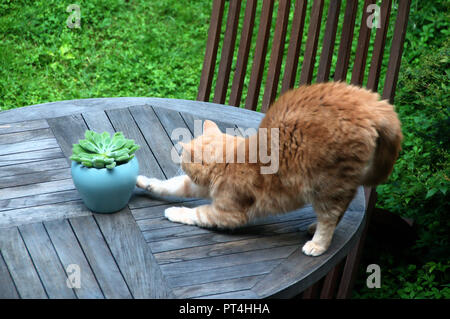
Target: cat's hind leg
329 212
206 216
180 186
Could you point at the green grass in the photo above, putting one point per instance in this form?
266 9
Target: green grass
134 48
155 48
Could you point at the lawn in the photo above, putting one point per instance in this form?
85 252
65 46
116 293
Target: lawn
155 48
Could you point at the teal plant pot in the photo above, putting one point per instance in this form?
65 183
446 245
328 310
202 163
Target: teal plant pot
105 190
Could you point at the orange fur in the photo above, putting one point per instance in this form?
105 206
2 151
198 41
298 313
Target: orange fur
333 137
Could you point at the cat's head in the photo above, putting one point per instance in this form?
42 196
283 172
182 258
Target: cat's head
205 154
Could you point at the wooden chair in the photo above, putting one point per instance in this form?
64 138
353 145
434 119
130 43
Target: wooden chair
339 281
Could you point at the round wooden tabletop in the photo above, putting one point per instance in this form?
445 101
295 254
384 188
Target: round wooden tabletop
49 239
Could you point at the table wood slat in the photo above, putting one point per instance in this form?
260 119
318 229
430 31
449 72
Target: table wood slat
27 157
46 261
34 167
35 189
227 248
68 130
8 290
20 265
122 120
241 294
69 252
98 121
28 146
212 288
13 126
225 273
217 262
23 136
170 120
33 178
27 215
156 138
40 199
100 258
137 264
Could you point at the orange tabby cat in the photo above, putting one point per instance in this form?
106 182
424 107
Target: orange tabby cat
332 137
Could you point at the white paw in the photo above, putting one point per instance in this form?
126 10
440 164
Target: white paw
150 184
181 215
313 249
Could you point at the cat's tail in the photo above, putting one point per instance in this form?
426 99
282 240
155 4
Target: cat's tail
388 146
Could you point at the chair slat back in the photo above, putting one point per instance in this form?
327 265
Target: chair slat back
286 48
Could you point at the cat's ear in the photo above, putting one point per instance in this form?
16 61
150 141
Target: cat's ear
210 127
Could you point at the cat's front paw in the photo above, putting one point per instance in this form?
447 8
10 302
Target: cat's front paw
181 215
149 184
313 249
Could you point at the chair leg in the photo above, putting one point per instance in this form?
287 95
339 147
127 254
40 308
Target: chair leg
353 258
313 291
331 281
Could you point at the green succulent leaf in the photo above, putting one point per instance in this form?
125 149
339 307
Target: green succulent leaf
101 150
111 166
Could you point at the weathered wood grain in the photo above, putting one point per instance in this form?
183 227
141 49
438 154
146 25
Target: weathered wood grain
27 157
38 188
216 287
69 252
100 258
137 264
28 146
7 287
33 167
33 178
122 120
170 120
14 124
98 121
32 135
40 199
241 294
226 260
20 265
15 217
226 248
46 261
239 271
156 138
68 130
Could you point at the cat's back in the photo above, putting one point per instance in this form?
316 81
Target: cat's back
322 103
321 123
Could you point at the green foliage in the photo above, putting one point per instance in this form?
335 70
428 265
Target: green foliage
100 150
432 280
123 48
419 185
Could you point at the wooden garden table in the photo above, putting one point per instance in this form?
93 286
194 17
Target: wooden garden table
137 253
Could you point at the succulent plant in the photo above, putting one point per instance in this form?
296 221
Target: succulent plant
100 150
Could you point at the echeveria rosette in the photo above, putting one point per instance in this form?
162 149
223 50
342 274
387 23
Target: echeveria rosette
100 150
